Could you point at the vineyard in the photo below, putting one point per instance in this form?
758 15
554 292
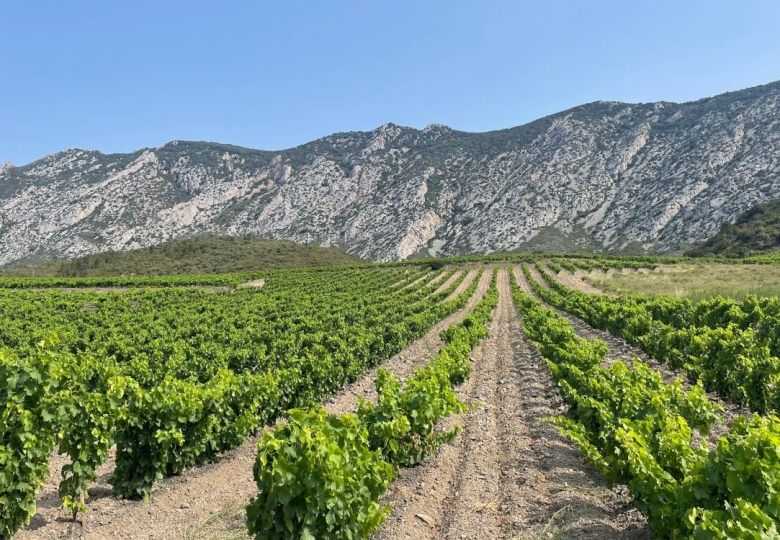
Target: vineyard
466 399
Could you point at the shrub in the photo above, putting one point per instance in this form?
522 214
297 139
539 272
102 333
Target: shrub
318 479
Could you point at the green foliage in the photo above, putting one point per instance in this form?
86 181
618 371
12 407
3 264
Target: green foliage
88 414
639 431
741 520
199 255
305 470
169 427
318 479
754 232
27 436
389 428
176 376
403 424
725 345
742 469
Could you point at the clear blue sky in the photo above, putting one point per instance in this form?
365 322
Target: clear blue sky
121 75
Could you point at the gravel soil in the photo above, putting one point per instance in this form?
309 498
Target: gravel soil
449 282
405 362
575 281
509 475
468 280
255 283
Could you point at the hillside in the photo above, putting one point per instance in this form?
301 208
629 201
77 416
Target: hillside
756 231
201 255
606 176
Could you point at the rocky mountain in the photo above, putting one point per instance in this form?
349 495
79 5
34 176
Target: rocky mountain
601 177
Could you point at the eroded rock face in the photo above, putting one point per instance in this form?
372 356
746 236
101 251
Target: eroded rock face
613 176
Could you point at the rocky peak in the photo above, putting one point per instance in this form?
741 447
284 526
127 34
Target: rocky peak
606 176
436 128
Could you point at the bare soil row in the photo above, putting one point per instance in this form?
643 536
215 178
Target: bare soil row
509 474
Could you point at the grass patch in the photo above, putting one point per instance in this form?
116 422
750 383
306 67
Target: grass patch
555 528
227 523
696 281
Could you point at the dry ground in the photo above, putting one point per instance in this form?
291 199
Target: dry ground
509 475
694 281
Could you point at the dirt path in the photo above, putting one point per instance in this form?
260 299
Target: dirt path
509 474
620 349
534 274
438 277
448 282
255 283
179 503
405 362
575 281
464 284
522 283
417 281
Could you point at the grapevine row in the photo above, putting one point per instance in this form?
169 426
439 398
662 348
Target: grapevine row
761 314
639 431
322 476
737 364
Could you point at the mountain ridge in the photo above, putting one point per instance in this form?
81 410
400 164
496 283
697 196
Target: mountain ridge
605 176
772 85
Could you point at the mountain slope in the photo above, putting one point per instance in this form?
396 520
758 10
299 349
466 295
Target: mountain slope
200 255
603 176
756 231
